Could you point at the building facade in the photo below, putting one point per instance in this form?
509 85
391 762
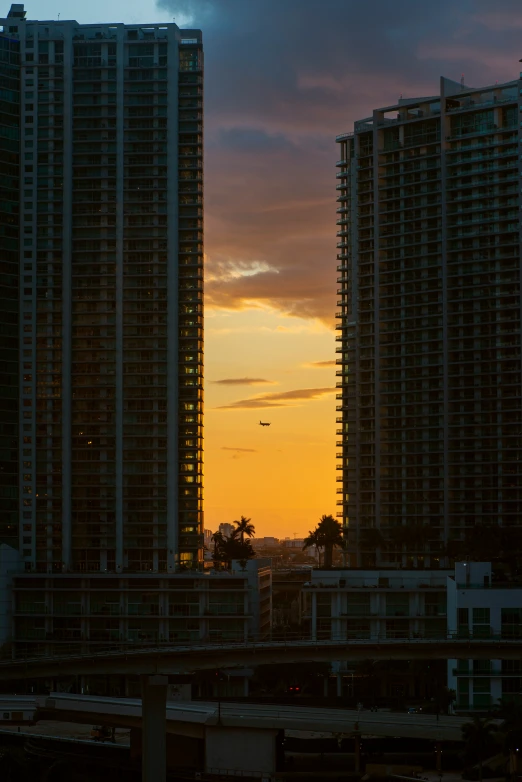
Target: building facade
107 241
429 323
9 281
464 602
70 613
479 607
376 604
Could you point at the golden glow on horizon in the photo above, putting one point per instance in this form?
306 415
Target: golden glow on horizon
282 476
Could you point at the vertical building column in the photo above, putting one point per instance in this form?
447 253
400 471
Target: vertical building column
444 131
27 355
120 71
173 306
519 157
355 305
376 321
154 728
67 303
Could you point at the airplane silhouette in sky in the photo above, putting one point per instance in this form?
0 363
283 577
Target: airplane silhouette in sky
262 423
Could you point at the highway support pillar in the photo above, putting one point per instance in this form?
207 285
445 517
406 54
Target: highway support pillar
357 751
154 728
438 756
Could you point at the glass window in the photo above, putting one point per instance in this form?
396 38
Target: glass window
481 616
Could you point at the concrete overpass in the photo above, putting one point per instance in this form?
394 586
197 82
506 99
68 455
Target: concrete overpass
178 659
154 663
192 718
231 737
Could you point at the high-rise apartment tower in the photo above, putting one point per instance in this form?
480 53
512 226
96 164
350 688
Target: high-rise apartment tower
430 408
102 254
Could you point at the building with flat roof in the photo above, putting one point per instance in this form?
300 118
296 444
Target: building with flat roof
429 323
102 303
376 603
478 606
92 612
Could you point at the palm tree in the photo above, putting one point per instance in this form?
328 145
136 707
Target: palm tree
328 534
218 540
478 736
227 549
313 540
372 541
244 527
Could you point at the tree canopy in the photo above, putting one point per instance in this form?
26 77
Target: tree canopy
237 546
327 535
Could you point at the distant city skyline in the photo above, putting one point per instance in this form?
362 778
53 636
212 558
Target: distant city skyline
270 206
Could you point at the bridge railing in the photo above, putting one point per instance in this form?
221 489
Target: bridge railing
21 651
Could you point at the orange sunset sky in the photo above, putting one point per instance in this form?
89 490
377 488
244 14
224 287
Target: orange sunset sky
282 79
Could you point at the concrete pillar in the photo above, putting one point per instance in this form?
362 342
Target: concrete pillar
438 754
357 750
314 616
245 686
339 685
251 751
154 728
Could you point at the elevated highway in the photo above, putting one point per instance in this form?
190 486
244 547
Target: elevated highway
179 659
191 718
230 736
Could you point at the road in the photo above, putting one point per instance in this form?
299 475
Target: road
190 718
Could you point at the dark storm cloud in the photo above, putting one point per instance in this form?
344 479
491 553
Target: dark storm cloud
283 77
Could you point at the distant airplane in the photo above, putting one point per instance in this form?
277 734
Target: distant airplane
262 423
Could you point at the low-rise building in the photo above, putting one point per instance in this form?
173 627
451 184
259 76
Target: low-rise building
295 546
481 607
79 612
266 542
376 603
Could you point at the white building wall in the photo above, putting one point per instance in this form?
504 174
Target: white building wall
471 588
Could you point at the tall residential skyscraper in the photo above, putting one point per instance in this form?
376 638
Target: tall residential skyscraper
104 239
430 322
9 278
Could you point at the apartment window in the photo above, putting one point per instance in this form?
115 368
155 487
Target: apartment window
511 622
481 622
482 685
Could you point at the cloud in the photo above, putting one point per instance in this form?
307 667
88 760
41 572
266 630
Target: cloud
283 78
278 399
243 381
321 364
239 450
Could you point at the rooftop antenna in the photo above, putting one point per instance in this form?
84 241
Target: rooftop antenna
58 17
462 82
